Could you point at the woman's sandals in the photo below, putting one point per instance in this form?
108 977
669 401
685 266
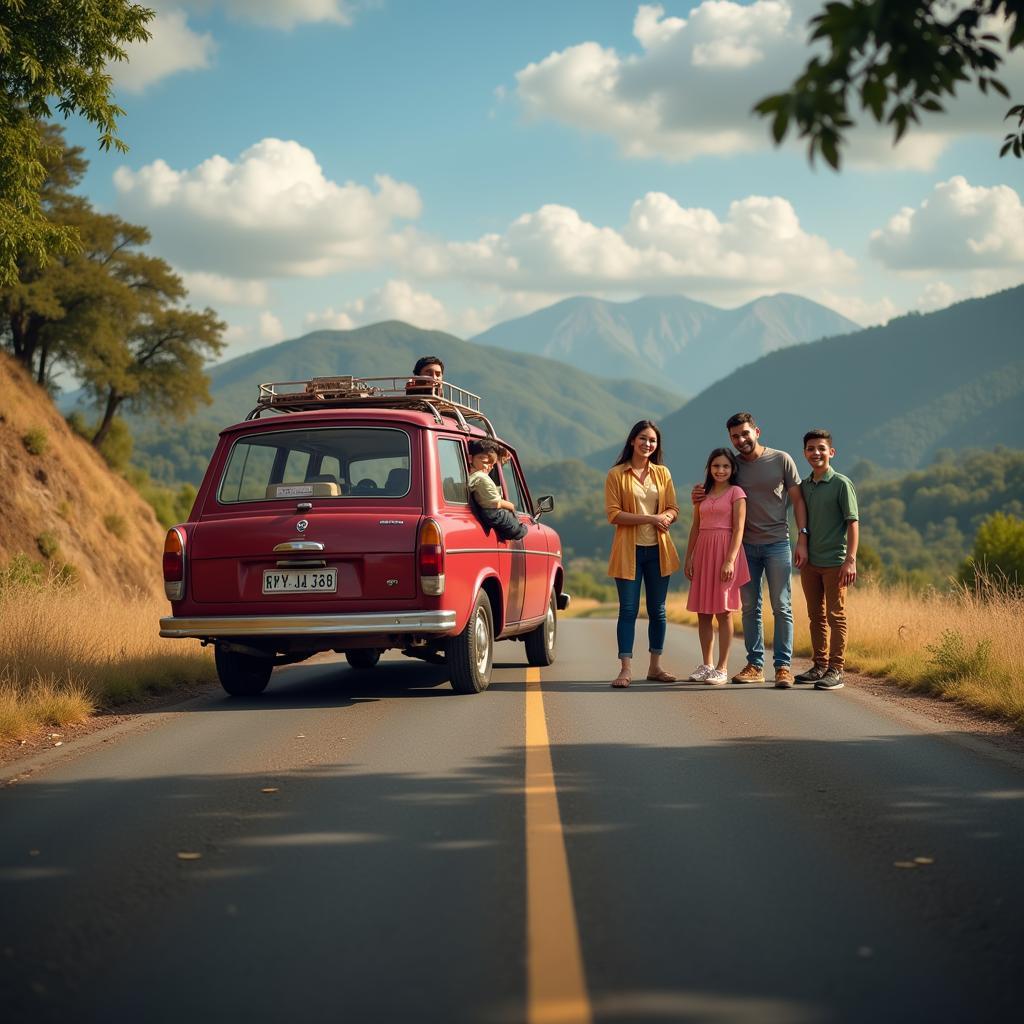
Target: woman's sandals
621 681
661 676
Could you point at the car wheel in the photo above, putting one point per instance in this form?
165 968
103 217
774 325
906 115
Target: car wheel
363 658
540 642
471 653
242 675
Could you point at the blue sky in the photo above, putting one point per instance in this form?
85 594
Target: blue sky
322 163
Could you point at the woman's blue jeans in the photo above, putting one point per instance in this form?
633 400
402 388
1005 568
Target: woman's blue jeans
774 562
648 572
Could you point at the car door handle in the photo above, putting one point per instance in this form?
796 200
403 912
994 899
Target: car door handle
299 545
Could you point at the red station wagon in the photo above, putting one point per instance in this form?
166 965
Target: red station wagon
338 517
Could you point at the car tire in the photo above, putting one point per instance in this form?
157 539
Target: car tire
540 642
471 653
242 675
363 658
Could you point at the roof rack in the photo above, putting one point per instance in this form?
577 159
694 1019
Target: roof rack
405 392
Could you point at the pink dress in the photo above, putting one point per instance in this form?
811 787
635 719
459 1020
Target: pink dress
708 594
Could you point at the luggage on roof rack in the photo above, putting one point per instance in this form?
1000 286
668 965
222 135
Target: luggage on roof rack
405 392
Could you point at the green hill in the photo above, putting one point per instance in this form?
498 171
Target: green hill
546 409
921 526
894 395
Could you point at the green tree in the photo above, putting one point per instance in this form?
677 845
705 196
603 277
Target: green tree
38 296
998 549
900 58
107 310
157 368
54 55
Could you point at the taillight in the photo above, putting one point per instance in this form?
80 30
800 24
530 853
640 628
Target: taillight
431 558
174 564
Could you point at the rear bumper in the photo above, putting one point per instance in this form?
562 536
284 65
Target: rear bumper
358 624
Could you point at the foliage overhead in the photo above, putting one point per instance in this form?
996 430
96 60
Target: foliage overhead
900 58
54 56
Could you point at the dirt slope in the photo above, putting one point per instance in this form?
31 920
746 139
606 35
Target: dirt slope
65 502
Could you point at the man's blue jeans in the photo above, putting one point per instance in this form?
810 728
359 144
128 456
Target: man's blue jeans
648 572
776 562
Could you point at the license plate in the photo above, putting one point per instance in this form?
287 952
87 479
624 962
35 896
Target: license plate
302 581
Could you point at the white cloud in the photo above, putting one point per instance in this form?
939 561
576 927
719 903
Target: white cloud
289 13
173 47
328 319
473 320
866 312
975 285
394 300
664 247
176 46
936 295
271 212
690 89
279 14
271 330
958 227
216 290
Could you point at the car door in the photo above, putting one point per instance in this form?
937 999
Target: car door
469 550
529 555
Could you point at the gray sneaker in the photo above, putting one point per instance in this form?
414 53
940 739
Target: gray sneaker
831 680
812 675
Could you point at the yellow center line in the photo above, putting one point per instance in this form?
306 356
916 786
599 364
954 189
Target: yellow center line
557 990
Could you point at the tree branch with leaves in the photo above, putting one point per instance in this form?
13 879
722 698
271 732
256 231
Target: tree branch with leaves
54 57
901 59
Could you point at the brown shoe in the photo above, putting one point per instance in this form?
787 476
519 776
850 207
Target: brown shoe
783 677
751 674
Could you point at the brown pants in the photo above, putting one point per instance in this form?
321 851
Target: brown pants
826 602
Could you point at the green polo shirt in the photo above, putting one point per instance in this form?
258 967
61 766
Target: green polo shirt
831 504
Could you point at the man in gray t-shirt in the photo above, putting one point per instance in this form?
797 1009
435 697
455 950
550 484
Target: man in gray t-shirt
771 482
767 480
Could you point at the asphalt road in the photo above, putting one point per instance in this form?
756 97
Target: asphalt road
695 854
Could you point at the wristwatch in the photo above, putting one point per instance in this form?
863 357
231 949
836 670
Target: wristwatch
805 531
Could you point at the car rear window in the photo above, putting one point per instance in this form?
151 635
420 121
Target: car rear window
326 462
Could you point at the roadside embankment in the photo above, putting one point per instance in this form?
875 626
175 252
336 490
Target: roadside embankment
67 651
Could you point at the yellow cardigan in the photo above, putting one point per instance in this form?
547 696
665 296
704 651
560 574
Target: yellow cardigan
619 497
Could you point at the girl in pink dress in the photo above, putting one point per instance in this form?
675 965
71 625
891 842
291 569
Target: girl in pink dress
715 563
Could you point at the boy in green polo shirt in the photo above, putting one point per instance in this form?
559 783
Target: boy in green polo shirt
833 528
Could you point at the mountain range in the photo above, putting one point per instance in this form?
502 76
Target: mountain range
680 343
894 395
545 409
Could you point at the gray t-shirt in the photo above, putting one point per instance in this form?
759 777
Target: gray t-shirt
767 481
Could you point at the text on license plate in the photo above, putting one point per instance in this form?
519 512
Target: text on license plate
291 581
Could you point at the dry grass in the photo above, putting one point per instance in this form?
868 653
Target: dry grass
963 644
66 651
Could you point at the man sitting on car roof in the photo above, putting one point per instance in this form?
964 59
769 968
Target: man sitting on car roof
426 366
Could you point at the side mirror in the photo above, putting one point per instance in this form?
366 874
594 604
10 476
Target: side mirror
544 504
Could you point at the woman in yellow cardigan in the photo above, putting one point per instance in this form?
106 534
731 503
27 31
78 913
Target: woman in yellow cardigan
641 503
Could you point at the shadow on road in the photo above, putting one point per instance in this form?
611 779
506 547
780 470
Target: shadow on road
754 880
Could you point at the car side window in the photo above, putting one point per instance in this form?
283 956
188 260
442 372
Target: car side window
515 493
452 463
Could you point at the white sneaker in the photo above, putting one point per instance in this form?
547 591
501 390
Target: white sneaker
700 673
716 678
